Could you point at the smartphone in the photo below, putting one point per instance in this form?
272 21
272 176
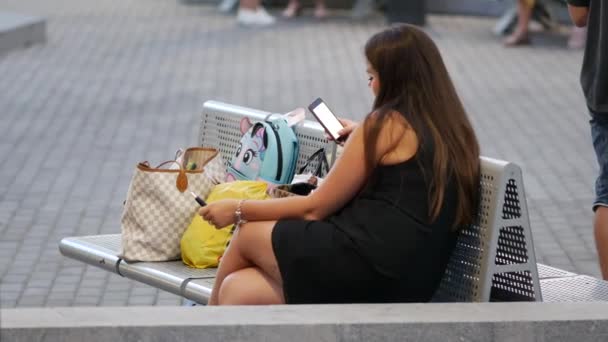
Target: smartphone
326 118
198 199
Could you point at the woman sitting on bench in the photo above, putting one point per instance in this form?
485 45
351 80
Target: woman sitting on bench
382 225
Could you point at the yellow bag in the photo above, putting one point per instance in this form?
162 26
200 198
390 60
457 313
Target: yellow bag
203 245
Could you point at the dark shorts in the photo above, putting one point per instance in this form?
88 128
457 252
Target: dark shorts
318 265
599 134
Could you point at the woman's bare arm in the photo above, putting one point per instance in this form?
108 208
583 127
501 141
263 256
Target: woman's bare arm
343 182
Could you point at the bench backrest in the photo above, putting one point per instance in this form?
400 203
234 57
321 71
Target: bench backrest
493 259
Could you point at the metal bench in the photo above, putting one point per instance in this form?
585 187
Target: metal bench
493 260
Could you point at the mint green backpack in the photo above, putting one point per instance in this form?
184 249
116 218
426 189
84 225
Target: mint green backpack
268 150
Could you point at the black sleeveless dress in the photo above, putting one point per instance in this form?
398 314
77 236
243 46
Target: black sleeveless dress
379 248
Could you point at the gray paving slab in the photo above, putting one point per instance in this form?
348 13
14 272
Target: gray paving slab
121 81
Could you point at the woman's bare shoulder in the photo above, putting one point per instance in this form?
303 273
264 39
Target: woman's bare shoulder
398 140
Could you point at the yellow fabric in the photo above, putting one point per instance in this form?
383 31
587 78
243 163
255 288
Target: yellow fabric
203 245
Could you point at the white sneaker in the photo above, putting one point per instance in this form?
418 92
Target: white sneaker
258 17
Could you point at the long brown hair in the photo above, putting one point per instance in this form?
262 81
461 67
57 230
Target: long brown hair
415 83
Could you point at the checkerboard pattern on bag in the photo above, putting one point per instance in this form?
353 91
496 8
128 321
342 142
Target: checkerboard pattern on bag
156 213
215 171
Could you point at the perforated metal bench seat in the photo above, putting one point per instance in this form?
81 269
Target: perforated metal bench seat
493 259
562 286
172 276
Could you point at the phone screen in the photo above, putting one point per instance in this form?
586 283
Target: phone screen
326 118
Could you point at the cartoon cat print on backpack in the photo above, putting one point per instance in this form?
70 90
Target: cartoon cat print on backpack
249 156
268 151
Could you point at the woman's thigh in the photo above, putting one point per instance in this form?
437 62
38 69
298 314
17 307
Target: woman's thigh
254 242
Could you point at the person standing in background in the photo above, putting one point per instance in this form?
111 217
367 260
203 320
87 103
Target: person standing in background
594 81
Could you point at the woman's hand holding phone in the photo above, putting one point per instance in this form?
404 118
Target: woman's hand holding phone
349 127
335 128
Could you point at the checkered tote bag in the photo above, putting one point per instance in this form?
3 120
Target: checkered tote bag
159 206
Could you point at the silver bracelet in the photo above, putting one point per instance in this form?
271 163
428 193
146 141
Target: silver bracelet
238 214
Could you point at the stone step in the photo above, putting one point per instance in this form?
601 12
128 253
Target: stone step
20 30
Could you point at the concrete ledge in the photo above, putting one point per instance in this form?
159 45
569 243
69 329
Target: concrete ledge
430 322
18 30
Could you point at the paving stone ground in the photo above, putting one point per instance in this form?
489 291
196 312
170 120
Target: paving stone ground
120 81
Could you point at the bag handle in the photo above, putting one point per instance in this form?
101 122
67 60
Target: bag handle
181 183
179 153
319 156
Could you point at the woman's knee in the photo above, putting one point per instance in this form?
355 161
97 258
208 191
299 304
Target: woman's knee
249 286
255 245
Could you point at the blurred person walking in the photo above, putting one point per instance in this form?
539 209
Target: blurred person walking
294 8
594 81
252 13
520 33
525 12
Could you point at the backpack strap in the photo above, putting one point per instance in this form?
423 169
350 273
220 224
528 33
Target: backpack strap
320 158
275 132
